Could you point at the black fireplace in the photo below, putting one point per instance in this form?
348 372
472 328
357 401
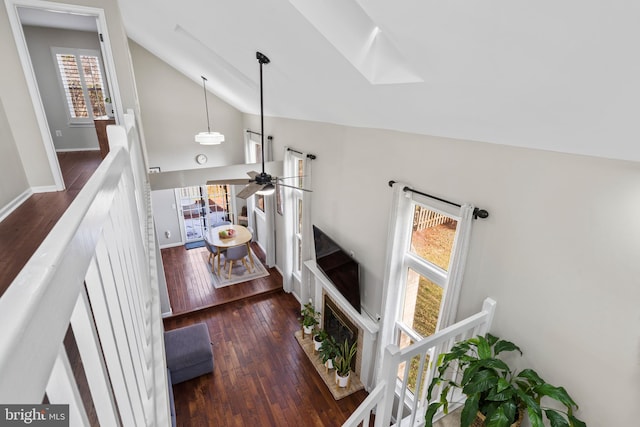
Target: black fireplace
338 326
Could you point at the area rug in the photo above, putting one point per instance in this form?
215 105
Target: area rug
193 245
239 274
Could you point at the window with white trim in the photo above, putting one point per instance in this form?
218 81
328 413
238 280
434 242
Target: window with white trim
297 174
80 75
426 261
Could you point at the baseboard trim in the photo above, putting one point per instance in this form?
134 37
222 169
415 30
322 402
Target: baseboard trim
171 245
46 189
15 203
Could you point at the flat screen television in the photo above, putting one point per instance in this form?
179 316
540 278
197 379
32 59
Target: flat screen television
338 266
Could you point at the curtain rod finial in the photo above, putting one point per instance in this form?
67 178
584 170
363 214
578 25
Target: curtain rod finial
480 213
391 183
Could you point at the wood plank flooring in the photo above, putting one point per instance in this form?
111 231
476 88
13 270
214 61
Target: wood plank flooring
189 283
261 375
25 228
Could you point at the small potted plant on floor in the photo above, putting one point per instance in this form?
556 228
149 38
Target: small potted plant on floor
309 318
328 351
496 396
342 363
318 338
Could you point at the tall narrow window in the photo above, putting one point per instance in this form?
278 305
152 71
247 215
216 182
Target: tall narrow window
297 181
427 260
82 83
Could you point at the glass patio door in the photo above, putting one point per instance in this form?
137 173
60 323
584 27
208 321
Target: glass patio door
194 209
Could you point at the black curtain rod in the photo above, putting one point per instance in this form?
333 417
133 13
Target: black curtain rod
477 212
309 156
270 138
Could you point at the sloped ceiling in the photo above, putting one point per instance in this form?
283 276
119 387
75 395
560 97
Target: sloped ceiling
548 74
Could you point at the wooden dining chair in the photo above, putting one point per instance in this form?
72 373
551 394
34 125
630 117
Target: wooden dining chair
236 253
213 251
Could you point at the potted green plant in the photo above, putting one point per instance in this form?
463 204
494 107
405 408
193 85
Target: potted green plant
318 338
496 396
309 318
342 363
328 351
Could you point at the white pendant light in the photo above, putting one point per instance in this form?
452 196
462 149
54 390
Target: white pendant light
208 137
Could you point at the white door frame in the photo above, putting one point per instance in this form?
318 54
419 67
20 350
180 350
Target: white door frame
30 76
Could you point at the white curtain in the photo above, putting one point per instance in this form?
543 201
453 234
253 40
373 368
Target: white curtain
290 169
252 146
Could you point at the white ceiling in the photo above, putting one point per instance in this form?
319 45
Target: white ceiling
548 74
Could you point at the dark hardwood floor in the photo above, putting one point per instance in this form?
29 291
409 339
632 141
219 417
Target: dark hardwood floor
25 228
189 283
261 377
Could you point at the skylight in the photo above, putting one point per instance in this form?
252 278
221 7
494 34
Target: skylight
352 32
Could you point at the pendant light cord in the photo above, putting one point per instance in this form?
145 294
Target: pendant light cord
206 104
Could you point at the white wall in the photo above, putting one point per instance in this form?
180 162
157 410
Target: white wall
40 40
21 114
173 112
558 251
13 181
165 216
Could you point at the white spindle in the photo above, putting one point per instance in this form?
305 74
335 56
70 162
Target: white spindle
94 367
62 389
381 400
100 272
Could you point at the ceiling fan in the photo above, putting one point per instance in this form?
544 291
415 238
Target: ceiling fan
260 183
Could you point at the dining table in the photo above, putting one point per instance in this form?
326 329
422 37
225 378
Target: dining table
241 236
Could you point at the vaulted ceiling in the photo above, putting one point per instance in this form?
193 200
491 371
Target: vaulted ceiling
547 74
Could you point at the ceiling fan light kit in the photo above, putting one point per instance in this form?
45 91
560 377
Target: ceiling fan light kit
208 137
266 190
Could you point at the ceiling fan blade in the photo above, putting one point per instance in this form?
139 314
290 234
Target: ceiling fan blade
292 177
253 175
228 181
293 186
249 190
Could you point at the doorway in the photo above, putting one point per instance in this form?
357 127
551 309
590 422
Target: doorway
203 207
38 28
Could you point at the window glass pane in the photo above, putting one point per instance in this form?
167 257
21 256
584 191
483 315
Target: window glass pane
299 215
260 202
193 208
414 365
421 304
432 236
72 85
218 203
300 176
93 82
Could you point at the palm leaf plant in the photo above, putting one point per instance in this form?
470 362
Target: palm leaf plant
494 390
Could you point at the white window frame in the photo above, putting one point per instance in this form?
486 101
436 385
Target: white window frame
400 259
79 121
297 199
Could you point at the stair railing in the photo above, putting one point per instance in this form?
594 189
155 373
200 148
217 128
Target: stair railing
392 398
81 322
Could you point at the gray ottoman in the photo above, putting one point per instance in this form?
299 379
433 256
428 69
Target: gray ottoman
189 353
